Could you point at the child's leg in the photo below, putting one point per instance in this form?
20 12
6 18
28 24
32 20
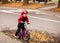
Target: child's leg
18 30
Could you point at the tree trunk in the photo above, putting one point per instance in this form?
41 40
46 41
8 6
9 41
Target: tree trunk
25 2
4 1
34 1
46 1
17 0
49 0
59 4
0 0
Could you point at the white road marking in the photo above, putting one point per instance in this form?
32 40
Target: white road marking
40 12
46 8
57 15
6 11
11 11
41 18
44 19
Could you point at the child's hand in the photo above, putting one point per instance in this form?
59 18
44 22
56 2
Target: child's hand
22 22
28 22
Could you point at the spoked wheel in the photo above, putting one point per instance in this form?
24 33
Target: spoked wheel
27 37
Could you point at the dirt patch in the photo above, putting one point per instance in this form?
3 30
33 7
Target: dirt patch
37 36
30 6
20 5
56 10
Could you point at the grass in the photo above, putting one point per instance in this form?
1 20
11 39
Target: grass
37 36
1 33
54 0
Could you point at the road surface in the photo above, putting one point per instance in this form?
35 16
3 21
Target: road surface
44 22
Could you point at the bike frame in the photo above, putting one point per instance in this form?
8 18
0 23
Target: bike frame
23 33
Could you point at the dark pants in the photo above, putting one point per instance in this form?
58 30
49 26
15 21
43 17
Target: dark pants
20 26
17 0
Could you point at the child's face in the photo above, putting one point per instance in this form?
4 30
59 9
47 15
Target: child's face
25 14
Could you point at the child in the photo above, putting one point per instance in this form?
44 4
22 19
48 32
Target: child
21 21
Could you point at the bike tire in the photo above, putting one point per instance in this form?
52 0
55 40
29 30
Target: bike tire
27 37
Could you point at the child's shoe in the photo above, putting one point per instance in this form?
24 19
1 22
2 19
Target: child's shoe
16 36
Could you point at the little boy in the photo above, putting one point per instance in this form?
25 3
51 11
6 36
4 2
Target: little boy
21 21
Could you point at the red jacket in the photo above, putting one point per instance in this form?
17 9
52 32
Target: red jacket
20 18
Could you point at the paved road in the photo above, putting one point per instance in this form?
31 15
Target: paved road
49 23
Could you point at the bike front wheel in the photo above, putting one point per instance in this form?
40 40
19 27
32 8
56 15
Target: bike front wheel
27 37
